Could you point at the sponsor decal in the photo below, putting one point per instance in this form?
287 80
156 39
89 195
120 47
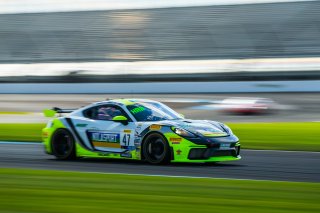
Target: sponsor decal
106 144
175 140
45 134
81 125
136 134
137 110
178 152
155 127
103 139
127 131
137 141
104 154
139 126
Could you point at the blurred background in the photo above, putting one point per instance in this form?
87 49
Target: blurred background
235 60
254 64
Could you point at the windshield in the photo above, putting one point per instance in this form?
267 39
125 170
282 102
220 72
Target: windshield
152 111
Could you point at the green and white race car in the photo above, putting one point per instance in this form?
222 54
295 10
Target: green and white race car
137 129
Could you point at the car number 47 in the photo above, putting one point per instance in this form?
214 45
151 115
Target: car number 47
126 140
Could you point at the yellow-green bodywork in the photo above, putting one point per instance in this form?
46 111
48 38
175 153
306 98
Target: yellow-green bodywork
179 146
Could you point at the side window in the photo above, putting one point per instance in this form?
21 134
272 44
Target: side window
103 112
89 113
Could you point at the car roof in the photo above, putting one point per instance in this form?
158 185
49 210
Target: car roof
125 101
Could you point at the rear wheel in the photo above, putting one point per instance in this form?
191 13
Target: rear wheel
63 145
156 149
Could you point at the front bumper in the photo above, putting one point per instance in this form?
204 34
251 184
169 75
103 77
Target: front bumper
205 149
207 153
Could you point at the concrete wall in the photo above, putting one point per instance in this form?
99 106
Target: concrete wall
165 87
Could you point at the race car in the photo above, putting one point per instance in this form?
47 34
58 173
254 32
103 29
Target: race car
136 129
247 106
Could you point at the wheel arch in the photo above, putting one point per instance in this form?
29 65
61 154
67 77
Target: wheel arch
160 133
58 129
74 146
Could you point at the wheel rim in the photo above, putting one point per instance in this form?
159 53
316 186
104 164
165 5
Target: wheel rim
62 144
156 149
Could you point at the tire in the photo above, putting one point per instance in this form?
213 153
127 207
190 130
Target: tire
63 145
155 149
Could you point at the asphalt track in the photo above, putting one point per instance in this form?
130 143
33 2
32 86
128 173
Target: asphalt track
259 165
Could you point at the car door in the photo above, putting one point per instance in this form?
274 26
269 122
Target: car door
102 133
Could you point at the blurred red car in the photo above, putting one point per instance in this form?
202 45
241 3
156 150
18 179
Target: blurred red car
246 106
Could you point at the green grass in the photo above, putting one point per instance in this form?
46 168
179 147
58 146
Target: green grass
21 132
53 191
14 113
277 136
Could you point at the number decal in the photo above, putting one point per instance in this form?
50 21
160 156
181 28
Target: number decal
127 137
126 140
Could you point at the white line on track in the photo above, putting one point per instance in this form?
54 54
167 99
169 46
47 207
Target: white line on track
271 150
159 175
20 142
174 176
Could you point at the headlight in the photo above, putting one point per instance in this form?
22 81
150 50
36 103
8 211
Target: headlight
183 133
226 128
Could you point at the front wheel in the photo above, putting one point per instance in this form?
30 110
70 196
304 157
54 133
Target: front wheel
63 145
156 149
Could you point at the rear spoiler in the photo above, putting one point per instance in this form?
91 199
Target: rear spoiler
52 112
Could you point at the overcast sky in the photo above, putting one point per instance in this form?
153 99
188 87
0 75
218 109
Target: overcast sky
32 6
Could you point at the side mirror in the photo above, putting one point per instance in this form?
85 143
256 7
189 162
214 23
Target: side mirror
121 119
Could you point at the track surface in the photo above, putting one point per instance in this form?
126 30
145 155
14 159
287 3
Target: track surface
261 165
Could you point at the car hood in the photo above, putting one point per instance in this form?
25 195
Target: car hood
199 127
